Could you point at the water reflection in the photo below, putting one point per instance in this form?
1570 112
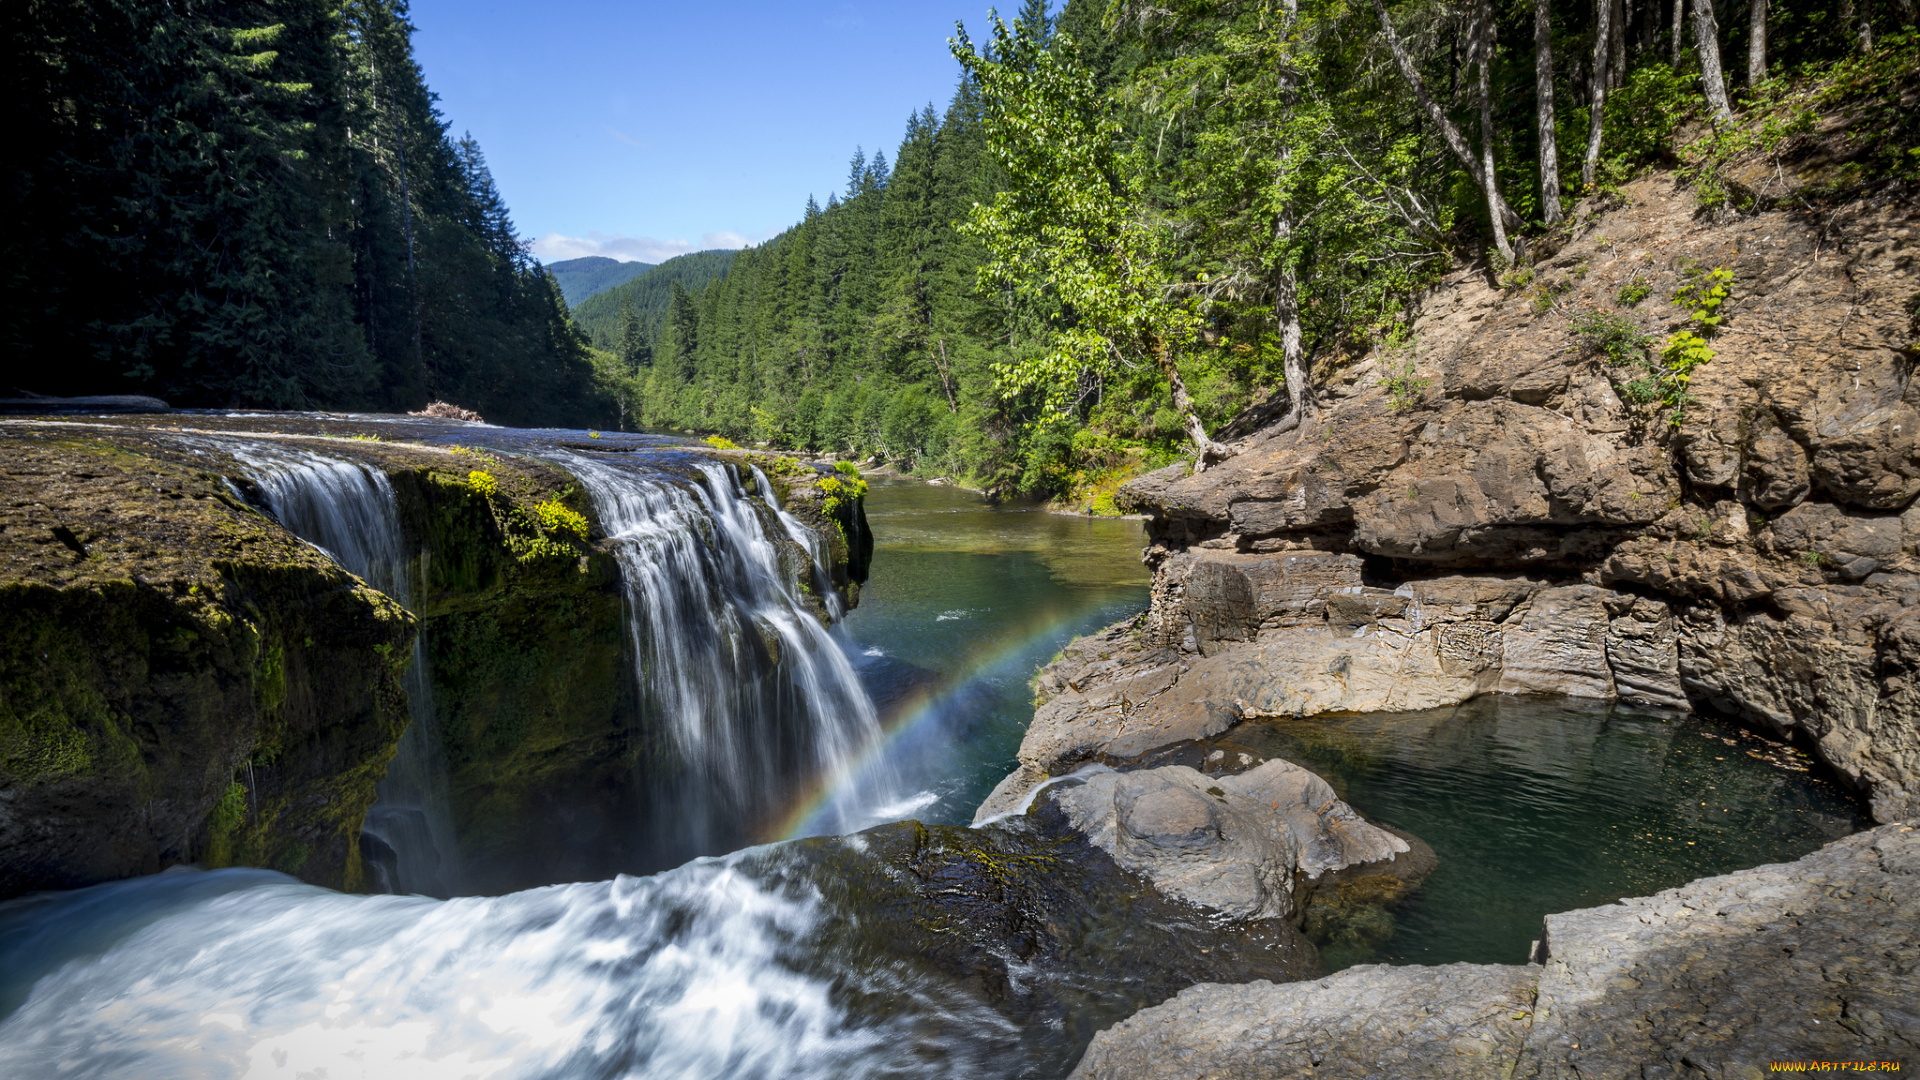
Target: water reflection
1539 805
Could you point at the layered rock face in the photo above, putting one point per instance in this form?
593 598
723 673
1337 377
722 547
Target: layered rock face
1810 961
1490 511
161 638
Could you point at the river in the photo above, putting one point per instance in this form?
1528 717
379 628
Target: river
842 958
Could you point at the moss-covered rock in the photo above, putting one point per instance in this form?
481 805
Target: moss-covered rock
162 644
210 689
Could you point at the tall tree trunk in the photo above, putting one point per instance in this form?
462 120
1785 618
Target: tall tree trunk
1448 131
1543 89
946 382
1679 22
1286 285
1617 47
1209 451
1602 51
1706 40
1484 37
1854 16
1757 43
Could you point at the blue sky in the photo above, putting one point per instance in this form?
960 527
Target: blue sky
643 130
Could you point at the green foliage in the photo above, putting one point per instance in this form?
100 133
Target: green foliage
555 517
223 825
602 313
1702 291
1681 353
1065 229
584 277
482 483
721 442
1612 335
475 453
1664 379
1633 290
1405 387
1641 118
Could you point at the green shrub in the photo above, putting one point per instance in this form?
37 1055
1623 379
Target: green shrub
1404 387
554 517
1634 290
1612 335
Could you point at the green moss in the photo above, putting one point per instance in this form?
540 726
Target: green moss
223 823
270 678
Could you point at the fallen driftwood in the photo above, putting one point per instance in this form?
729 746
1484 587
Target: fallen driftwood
448 411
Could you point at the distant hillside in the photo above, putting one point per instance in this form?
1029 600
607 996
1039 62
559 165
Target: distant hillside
581 278
599 314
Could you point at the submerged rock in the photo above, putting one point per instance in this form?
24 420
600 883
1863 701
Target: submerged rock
1805 961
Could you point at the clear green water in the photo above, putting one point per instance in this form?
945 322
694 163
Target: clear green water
1533 805
965 603
1539 805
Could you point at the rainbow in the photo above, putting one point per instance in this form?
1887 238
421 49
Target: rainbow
911 717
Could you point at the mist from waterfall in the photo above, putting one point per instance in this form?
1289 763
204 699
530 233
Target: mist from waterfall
750 700
347 509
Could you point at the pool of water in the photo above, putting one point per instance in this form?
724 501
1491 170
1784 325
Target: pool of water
1539 805
965 603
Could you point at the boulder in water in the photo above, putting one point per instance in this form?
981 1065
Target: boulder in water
1237 844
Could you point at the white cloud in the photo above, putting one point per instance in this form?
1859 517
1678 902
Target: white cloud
556 247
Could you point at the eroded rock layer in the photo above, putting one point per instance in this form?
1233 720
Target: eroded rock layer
180 678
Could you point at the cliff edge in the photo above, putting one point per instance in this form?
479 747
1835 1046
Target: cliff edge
1542 490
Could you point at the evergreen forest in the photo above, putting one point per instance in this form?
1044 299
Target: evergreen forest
1135 231
256 203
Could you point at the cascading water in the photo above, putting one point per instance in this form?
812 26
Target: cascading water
347 510
755 699
693 974
815 546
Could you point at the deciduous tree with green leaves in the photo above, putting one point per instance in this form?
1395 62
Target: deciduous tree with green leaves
1068 227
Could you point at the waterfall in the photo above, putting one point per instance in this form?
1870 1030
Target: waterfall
813 542
751 699
347 510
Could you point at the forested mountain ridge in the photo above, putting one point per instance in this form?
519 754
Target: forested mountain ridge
1242 195
604 316
244 204
581 278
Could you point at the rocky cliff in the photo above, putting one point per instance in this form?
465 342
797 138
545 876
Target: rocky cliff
180 678
1534 493
1810 961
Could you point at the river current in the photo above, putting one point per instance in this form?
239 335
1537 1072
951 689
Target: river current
768 963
